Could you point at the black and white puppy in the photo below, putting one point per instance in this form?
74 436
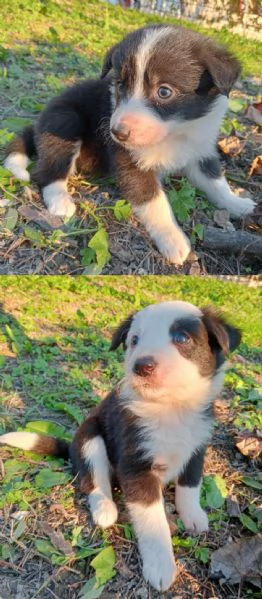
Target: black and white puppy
153 428
156 110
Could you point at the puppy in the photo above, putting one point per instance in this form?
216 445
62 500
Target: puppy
153 428
157 109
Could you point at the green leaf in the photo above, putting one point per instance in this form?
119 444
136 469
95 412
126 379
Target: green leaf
71 410
90 590
248 523
9 220
215 491
48 478
43 427
122 210
252 482
198 230
183 201
103 565
88 256
202 554
20 529
16 124
188 543
236 104
99 243
36 237
45 547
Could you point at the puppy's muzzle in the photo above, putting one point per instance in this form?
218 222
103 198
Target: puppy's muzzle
144 366
122 132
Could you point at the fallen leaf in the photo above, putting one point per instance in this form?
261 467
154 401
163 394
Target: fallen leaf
233 508
256 167
253 113
249 444
231 145
43 218
9 220
57 539
239 562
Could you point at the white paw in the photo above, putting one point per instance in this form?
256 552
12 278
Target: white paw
104 511
196 520
173 245
159 567
238 206
61 205
16 163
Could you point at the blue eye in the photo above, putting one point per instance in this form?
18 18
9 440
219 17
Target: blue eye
134 340
164 92
180 338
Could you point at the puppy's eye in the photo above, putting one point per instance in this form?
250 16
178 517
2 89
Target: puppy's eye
134 340
164 92
180 338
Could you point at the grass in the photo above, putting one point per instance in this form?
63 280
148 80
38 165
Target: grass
55 365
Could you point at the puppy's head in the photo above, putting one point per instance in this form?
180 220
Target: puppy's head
164 75
175 351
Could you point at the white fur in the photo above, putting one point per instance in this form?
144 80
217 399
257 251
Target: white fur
22 440
159 221
154 543
144 51
219 192
57 199
102 506
189 509
17 163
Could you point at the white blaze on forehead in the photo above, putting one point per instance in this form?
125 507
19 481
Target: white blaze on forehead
144 51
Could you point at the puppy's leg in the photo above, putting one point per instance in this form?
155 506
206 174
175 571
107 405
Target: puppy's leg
206 175
56 162
151 206
188 494
96 470
145 504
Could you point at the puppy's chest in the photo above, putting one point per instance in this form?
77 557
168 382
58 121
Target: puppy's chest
171 444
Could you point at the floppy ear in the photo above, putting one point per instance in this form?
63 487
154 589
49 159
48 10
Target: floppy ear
221 335
121 333
223 68
107 64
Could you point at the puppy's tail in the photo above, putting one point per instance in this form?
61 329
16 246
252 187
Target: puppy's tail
36 443
19 152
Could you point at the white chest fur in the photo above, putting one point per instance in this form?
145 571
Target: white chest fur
172 440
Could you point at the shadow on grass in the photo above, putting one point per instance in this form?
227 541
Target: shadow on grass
66 372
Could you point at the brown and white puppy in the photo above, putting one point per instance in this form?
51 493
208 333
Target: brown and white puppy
153 428
156 110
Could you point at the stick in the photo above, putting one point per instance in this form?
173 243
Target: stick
233 241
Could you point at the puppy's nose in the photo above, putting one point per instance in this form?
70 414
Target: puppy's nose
121 132
144 366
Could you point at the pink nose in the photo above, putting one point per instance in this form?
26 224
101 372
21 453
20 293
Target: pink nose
121 132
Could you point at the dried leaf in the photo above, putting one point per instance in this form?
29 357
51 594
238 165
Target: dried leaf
256 167
249 444
232 145
238 562
233 508
44 219
57 539
10 219
254 114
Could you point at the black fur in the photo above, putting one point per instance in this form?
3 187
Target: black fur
192 473
210 167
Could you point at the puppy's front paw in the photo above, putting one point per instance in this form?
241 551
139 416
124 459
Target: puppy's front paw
173 245
159 567
196 520
238 206
61 205
104 510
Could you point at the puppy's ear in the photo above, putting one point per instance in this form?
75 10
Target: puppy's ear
107 64
223 68
221 335
121 333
